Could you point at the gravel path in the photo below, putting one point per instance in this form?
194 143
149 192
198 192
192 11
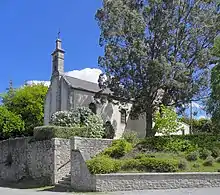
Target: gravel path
205 191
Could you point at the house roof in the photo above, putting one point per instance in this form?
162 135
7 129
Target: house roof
84 85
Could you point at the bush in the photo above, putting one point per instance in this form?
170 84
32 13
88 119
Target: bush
183 164
103 165
204 153
49 132
109 130
94 124
82 117
158 165
192 156
196 165
118 149
11 125
142 155
218 160
215 152
209 161
130 137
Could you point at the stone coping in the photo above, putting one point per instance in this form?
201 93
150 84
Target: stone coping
160 174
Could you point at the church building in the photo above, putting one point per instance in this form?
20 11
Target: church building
66 93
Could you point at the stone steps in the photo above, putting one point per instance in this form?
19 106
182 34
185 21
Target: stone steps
65 182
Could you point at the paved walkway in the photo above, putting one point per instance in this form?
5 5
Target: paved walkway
206 191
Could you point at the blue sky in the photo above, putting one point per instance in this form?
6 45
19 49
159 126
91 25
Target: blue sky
28 31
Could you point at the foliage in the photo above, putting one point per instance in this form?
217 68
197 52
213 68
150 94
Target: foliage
156 51
150 165
213 104
182 143
218 160
183 164
80 117
170 144
215 152
118 149
11 125
192 156
166 121
109 130
200 125
103 165
209 161
204 153
130 137
49 132
28 102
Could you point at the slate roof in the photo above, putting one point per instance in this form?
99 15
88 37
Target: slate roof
84 85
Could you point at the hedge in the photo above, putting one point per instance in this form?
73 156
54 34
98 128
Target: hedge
49 132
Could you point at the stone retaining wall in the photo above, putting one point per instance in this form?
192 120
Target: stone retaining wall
141 181
83 180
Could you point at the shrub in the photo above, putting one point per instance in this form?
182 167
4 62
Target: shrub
130 137
218 160
82 117
131 164
215 152
158 165
182 165
192 156
94 124
103 165
142 155
118 149
204 153
196 165
65 119
209 161
109 130
49 132
11 125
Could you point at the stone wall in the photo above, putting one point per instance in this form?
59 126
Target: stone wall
43 161
89 147
83 149
141 181
62 164
82 180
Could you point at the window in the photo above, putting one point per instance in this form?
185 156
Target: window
123 116
92 107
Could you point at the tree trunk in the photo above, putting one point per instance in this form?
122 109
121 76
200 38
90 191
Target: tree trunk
149 123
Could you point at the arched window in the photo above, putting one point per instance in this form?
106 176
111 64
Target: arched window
123 116
92 107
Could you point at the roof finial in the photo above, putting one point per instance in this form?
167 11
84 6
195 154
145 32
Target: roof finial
58 34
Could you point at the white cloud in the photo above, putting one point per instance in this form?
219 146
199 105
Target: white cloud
88 74
47 83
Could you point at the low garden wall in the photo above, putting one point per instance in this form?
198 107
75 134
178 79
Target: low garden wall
45 162
82 180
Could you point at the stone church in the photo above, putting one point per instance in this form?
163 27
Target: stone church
67 93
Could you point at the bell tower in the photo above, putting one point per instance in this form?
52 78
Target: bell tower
58 58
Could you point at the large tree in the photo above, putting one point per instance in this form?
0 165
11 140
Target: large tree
214 100
28 102
156 51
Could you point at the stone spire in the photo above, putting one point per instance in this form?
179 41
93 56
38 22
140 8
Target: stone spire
58 58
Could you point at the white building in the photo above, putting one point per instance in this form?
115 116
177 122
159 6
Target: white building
67 93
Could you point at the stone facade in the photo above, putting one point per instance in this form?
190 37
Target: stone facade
43 161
